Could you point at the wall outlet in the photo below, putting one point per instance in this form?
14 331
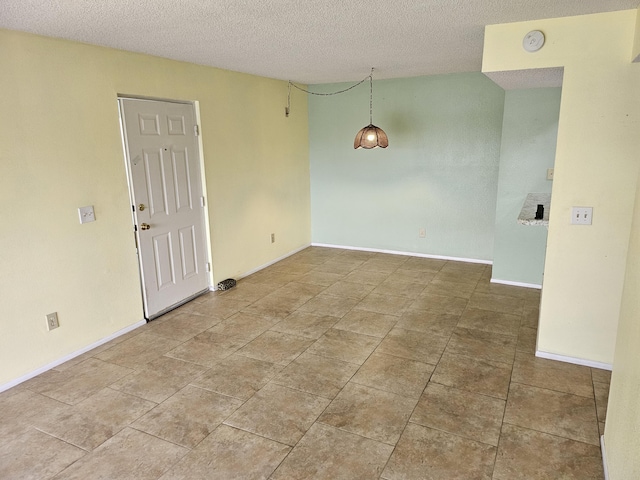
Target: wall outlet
422 233
549 173
52 321
273 238
581 215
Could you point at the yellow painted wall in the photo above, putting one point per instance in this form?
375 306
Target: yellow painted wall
60 148
635 55
622 431
597 163
621 438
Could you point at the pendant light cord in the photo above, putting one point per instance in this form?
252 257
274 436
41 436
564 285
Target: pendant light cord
370 77
371 98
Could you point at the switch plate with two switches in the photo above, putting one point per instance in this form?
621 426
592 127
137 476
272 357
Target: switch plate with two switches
87 214
581 215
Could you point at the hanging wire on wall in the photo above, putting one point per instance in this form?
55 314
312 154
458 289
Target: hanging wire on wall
369 136
323 94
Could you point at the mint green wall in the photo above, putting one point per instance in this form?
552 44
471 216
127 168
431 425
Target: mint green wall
528 149
440 171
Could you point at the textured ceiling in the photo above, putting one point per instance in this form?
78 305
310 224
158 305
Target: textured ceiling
317 41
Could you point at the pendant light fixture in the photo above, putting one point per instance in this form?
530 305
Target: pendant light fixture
371 136
368 137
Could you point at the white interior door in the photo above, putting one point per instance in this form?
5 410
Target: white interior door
168 207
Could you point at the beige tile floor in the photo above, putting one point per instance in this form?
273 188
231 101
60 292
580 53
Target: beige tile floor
331 364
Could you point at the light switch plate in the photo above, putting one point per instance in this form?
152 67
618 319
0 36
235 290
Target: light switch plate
581 215
86 214
549 173
52 321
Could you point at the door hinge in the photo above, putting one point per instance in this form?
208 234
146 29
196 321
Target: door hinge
207 267
202 202
196 130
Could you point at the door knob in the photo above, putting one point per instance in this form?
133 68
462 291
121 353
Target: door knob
141 207
145 226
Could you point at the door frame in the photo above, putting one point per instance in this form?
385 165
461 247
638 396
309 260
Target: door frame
201 165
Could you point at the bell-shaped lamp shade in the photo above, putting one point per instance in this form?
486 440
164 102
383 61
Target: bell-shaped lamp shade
371 137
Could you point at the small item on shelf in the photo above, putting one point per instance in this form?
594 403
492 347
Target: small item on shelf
540 212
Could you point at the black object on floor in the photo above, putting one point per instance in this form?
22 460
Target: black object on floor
226 284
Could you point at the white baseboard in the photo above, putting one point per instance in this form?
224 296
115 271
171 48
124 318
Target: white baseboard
262 267
66 358
604 458
516 284
411 254
577 361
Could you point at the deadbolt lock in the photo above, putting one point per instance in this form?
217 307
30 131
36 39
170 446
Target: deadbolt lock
145 226
141 207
